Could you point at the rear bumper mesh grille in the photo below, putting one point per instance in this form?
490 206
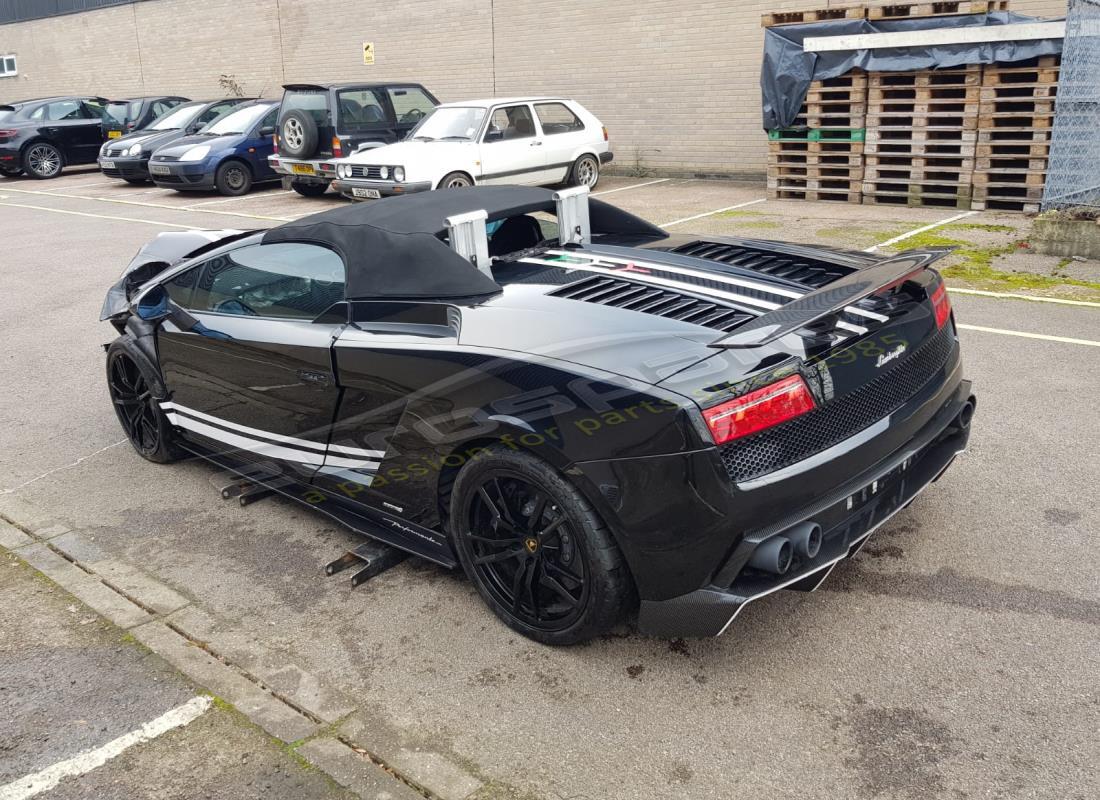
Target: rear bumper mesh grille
838 419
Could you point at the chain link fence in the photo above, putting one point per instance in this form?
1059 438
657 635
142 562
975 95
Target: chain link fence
1073 174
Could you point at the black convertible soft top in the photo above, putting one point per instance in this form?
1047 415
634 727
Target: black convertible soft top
394 248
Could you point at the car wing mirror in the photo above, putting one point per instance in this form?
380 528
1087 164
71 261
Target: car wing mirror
494 136
153 306
267 130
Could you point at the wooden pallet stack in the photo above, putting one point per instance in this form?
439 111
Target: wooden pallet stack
922 130
821 156
1015 119
894 11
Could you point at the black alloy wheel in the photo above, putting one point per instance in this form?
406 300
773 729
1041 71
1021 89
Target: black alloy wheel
525 552
138 410
540 556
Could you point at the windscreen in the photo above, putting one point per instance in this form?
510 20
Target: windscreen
179 118
123 111
239 121
313 103
455 123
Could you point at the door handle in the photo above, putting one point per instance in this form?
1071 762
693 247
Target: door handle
313 377
536 144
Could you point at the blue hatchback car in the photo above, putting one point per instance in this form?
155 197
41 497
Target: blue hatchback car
230 154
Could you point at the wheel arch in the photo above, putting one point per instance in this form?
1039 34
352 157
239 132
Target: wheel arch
40 138
467 173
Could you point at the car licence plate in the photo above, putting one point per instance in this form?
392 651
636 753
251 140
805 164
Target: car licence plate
157 169
373 194
107 164
303 169
114 134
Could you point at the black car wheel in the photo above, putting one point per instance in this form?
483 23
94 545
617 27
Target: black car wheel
309 189
455 180
131 388
42 160
11 172
540 556
233 178
135 181
298 135
585 172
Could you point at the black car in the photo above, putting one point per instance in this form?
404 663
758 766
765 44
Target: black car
319 122
586 421
42 137
135 113
128 157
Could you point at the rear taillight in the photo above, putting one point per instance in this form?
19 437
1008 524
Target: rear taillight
7 133
941 304
605 137
337 150
759 409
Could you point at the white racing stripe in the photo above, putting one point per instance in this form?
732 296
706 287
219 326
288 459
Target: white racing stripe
291 440
1025 335
85 762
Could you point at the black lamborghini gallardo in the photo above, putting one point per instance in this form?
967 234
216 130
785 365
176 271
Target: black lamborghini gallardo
592 418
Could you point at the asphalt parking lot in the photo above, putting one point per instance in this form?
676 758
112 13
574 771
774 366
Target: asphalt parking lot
955 656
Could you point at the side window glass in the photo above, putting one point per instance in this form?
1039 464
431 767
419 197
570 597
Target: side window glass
64 109
270 119
360 109
288 281
410 105
93 109
161 107
557 118
513 122
181 287
213 113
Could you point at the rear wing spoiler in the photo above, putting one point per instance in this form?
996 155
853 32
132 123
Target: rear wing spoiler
832 299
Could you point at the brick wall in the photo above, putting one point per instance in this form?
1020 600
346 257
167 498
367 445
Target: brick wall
676 84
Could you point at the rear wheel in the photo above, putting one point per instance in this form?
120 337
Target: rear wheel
538 553
455 180
42 160
309 189
585 172
136 181
233 178
130 387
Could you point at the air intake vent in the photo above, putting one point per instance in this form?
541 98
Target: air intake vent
652 300
807 272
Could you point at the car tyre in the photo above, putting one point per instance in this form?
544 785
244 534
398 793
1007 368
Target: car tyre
585 172
298 136
309 189
455 180
42 160
11 172
538 553
132 384
136 181
233 178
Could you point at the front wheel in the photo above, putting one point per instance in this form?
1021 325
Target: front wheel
538 553
455 180
233 179
136 181
585 172
42 160
130 386
309 189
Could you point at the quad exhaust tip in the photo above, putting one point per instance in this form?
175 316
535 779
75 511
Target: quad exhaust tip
773 556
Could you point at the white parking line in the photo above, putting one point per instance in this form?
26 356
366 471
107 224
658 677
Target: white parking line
710 213
253 196
63 466
89 760
149 205
634 186
1011 296
69 188
1026 335
917 231
99 216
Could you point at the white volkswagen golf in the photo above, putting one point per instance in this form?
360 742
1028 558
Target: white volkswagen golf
527 140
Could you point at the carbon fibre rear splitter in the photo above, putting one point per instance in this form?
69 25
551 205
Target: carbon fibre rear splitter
373 558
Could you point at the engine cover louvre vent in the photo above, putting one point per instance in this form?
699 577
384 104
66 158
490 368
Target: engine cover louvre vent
808 272
606 291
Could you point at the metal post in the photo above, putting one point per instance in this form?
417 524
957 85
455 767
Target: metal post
468 238
573 224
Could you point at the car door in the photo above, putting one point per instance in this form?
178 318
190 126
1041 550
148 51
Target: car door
410 105
363 115
65 122
563 135
261 144
250 375
511 147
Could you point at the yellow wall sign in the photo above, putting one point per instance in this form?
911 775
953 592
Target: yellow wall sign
368 53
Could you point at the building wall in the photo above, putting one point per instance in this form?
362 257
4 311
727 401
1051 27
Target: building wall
676 84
